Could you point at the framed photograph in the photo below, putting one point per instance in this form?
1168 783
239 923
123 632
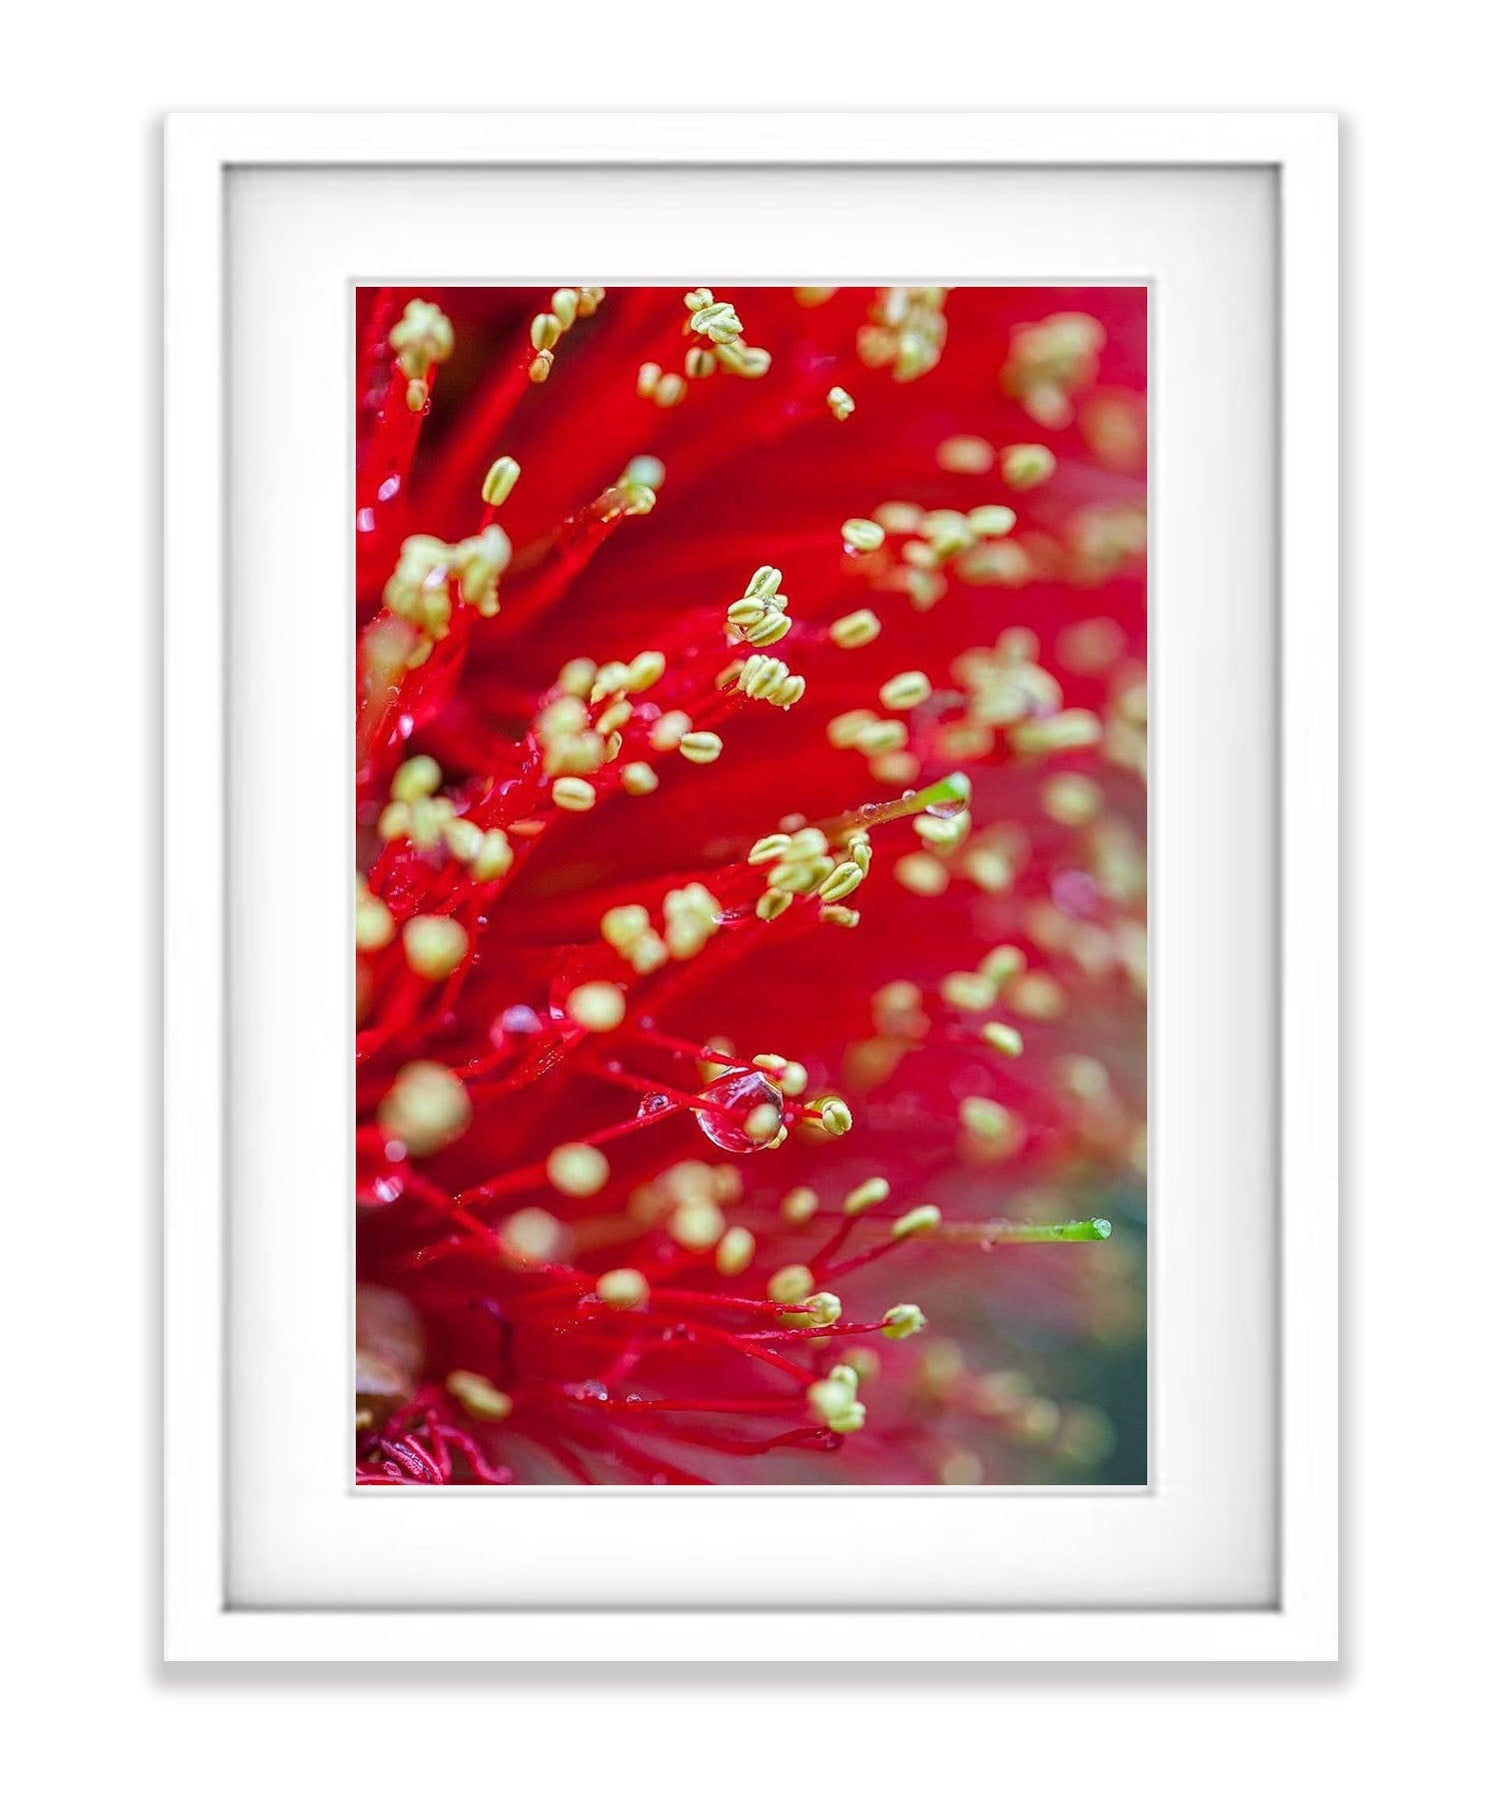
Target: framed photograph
723 1089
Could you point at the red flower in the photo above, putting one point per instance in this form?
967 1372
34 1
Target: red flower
751 919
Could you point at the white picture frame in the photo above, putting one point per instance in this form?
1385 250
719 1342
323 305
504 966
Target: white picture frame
205 1511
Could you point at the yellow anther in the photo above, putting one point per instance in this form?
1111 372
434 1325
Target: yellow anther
1003 1037
577 1169
743 359
841 882
992 521
532 1235
862 536
463 838
373 925
901 692
768 849
573 794
846 917
669 730
903 1321
854 629
416 779
867 1194
500 482
426 1108
717 321
1002 964
644 471
918 1222
644 671
834 1116
671 390
596 1005
833 1404
546 328
1027 465
965 455
701 746
479 1397
736 1250
638 778
772 903
792 1080
493 858
799 1206
647 379
421 337
698 298
943 833
763 1123
763 584
577 677
881 735
565 306
1072 799
1071 730
922 874
790 1285
991 1130
697 1223
434 946
966 992
623 1289
843 731
813 296
540 368
770 627
822 1309
840 403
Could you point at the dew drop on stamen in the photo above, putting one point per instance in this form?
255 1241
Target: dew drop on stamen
735 1097
653 1102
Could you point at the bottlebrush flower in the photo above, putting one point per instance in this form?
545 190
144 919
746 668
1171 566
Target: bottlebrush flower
750 921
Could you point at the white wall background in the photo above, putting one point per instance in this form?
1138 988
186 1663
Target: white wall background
77 879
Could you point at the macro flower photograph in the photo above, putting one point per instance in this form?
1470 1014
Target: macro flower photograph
750 932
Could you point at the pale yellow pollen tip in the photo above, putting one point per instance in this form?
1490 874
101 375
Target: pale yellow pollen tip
426 1108
500 482
1027 465
835 1117
736 1250
596 1005
866 1195
577 1169
1003 1037
479 1397
854 629
790 1285
903 1321
573 794
917 1222
862 536
840 403
903 691
434 946
625 1289
701 746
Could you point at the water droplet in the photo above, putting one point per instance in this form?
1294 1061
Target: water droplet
653 1102
520 1019
736 1097
950 808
